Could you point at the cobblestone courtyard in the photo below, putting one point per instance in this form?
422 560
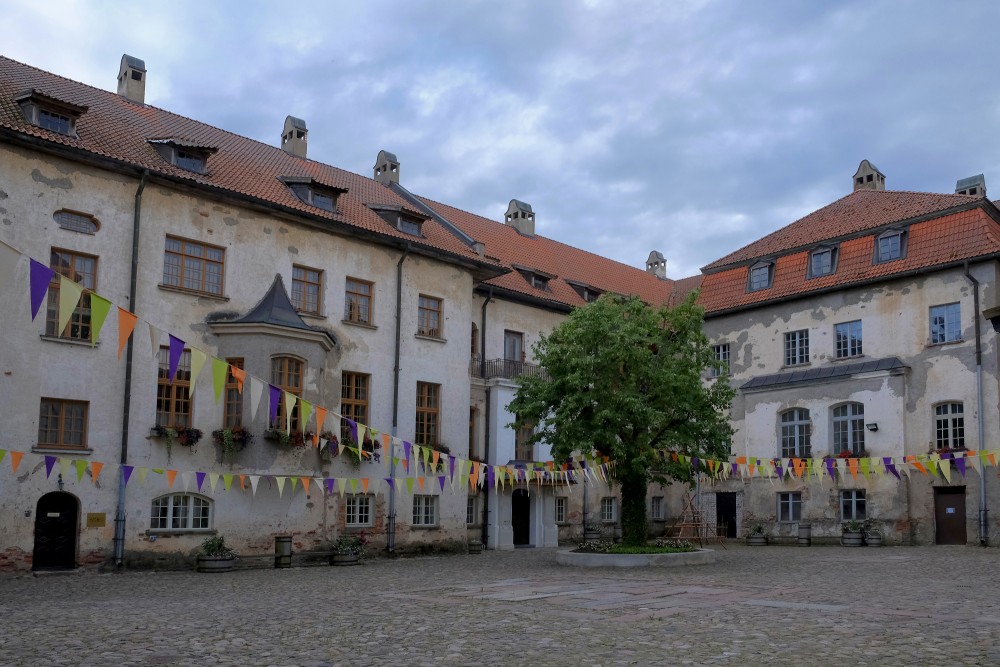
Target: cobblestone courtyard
773 605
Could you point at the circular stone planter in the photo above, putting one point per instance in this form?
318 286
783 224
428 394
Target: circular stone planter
215 564
699 557
344 559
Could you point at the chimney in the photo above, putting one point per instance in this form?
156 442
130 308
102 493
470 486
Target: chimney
520 217
132 79
973 185
293 137
656 264
386 168
868 177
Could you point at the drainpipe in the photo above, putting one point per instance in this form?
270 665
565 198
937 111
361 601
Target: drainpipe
984 536
390 529
486 420
119 539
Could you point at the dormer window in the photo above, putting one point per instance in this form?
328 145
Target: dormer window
536 277
586 292
890 245
822 261
410 225
539 282
761 276
184 154
408 222
50 113
314 194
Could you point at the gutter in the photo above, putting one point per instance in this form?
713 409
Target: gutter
390 542
486 419
984 529
119 538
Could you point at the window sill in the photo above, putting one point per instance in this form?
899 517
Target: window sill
168 532
431 338
853 357
68 341
796 366
191 292
947 342
311 316
422 527
363 325
42 449
356 528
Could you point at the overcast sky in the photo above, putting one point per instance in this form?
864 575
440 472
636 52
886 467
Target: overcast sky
688 127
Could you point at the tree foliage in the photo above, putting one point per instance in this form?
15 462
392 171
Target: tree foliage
626 380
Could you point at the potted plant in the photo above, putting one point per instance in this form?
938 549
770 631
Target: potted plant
215 556
475 547
592 531
232 440
288 439
348 549
852 533
873 533
186 436
756 533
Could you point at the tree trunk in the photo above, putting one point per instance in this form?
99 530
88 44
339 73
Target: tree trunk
634 508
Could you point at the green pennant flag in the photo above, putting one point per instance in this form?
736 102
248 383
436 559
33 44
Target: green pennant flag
305 408
865 464
219 370
227 480
3 453
295 481
409 485
99 309
81 467
354 485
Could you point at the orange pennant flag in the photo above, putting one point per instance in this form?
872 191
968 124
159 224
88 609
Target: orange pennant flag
242 482
435 458
853 465
386 442
305 483
474 476
15 460
741 460
420 483
364 484
320 418
126 323
239 375
919 466
171 476
800 466
95 470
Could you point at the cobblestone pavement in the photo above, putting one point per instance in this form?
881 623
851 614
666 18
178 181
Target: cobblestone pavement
771 605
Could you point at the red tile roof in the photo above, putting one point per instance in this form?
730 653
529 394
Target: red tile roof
115 128
858 212
946 239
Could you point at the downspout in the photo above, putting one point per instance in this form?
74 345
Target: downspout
390 528
119 539
984 536
486 419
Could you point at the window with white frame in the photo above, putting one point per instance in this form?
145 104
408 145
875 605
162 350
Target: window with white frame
946 323
796 433
848 339
425 510
949 426
358 510
849 428
790 506
560 509
656 508
181 511
721 353
470 510
608 510
852 505
797 347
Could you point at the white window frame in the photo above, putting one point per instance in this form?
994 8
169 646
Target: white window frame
797 347
848 428
609 509
562 509
949 425
848 339
946 323
180 509
425 511
721 353
796 433
656 507
790 506
358 511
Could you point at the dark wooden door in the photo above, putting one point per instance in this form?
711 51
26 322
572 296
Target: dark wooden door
56 521
520 517
725 513
949 515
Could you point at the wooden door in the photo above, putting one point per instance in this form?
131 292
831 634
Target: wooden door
949 515
520 517
725 514
56 522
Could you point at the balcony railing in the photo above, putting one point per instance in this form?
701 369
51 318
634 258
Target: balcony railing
502 368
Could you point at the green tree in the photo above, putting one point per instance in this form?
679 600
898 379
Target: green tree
626 380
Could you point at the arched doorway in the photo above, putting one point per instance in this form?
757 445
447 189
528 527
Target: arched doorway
57 520
520 518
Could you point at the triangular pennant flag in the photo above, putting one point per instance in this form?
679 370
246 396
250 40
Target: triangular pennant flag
390 482
171 477
240 376
420 483
176 350
219 370
50 462
143 472
320 419
305 411
353 427
64 466
274 396
256 394
295 483
331 484
280 480
40 278
99 309
227 480
126 473
254 480
354 485
343 487
305 483
126 324
186 479
960 464
409 485
198 359
864 464
95 470
200 479
364 484
946 469
15 460
81 467
289 400
69 298
154 340
213 479
441 479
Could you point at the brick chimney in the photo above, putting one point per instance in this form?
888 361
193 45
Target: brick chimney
293 137
132 79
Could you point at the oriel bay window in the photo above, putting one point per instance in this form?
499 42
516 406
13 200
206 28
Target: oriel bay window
232 415
173 399
287 375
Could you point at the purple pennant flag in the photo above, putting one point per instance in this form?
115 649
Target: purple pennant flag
694 463
778 469
200 476
330 484
126 473
490 475
406 450
960 464
353 425
392 485
441 481
451 467
830 463
275 397
41 276
176 348
50 461
736 469
890 466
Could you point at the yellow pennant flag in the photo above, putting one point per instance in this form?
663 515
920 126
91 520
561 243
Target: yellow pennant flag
69 297
945 469
64 466
213 479
99 309
865 464
289 407
409 484
219 370
280 481
354 485
198 359
142 472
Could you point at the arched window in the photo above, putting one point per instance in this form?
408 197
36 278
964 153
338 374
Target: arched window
849 428
796 433
181 511
76 222
949 426
287 375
